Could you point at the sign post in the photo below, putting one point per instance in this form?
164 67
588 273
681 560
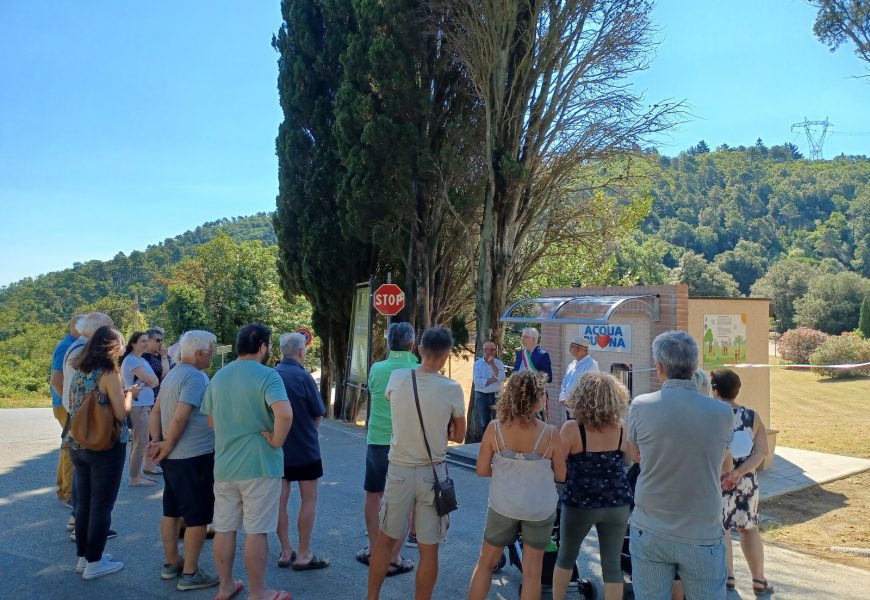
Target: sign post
222 351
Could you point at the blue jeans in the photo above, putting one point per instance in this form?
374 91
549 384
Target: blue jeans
98 477
483 401
655 560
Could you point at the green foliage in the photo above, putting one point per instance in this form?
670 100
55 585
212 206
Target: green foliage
125 313
26 360
746 263
832 302
704 278
839 21
785 282
796 345
864 319
846 349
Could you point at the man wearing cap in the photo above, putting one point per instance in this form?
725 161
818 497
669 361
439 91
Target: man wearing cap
582 363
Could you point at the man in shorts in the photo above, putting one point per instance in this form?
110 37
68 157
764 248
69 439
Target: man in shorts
251 416
183 444
410 479
302 462
400 341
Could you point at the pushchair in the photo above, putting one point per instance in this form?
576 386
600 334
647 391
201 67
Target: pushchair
514 555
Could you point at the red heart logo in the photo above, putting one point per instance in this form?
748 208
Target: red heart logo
602 340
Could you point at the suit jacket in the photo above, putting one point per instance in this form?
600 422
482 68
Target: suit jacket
540 360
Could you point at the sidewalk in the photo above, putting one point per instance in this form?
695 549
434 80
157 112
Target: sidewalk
37 559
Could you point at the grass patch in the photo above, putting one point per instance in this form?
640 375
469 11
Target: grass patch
26 402
820 414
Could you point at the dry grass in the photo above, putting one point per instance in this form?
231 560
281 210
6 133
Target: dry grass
813 520
821 414
26 402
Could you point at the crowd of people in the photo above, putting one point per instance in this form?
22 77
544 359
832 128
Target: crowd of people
230 448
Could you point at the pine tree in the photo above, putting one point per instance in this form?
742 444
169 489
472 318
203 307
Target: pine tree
864 319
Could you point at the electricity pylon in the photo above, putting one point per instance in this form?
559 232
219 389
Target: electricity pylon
816 132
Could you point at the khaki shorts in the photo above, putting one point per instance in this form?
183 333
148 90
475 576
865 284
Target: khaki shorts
501 530
250 502
410 489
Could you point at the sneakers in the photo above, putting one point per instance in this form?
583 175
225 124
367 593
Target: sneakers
170 571
71 524
197 581
83 562
72 536
101 568
411 541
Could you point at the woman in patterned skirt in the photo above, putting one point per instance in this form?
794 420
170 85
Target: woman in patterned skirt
740 493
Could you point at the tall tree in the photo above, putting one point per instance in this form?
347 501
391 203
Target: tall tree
315 258
550 77
839 21
703 278
403 126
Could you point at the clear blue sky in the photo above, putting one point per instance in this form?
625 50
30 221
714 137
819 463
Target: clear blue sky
152 118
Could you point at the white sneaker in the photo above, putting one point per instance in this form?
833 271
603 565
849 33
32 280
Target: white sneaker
102 567
83 562
71 524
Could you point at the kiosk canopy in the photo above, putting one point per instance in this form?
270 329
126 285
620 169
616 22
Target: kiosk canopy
595 310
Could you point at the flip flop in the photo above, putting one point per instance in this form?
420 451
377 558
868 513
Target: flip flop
315 563
400 568
240 585
762 591
152 482
281 595
286 563
363 556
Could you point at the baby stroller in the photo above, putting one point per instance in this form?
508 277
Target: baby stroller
514 554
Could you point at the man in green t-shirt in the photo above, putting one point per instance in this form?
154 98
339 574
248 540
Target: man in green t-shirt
247 406
400 342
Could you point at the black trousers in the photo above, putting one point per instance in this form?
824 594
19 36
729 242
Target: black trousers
97 479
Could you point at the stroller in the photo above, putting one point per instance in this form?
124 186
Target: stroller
514 555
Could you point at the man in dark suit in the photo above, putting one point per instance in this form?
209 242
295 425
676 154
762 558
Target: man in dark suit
531 357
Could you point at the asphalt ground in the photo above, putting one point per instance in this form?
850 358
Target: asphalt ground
37 559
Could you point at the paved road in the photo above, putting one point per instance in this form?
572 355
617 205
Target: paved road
37 559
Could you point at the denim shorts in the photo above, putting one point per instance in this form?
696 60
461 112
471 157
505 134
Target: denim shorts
377 461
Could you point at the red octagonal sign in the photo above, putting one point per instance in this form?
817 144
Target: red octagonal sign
389 299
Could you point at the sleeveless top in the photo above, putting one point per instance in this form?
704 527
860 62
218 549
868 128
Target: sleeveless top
81 386
596 479
522 485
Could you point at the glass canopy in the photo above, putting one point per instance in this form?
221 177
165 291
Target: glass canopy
594 310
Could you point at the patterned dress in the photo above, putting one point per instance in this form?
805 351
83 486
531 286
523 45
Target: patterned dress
81 386
740 505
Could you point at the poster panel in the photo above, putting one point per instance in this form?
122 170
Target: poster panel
724 339
359 336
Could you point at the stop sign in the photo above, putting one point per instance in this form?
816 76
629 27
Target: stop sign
389 299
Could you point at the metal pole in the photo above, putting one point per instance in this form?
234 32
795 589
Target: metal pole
389 319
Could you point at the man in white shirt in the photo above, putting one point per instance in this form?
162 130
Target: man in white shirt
488 375
582 363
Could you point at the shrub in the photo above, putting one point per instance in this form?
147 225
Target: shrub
796 345
842 349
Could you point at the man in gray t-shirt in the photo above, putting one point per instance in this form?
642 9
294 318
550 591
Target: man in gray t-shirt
184 447
682 437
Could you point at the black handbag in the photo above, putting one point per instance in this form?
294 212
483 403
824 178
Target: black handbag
445 492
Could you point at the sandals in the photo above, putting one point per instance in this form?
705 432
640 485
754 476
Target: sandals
766 590
315 563
730 583
363 556
286 563
400 568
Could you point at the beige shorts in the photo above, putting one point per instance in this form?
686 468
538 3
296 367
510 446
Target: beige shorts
250 502
410 489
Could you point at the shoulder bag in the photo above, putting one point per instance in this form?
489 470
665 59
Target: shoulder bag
93 425
445 492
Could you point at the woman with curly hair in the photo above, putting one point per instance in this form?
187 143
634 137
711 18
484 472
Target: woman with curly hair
98 473
525 459
597 491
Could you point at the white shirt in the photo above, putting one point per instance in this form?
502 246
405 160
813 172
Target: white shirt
575 370
68 371
482 372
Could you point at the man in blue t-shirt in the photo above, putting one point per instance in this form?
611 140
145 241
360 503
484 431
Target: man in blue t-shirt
64 464
302 462
247 406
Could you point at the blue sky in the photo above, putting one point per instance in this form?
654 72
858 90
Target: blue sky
124 123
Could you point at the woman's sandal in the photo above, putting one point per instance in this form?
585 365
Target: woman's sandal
730 583
762 591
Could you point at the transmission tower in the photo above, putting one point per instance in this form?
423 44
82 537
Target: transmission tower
816 132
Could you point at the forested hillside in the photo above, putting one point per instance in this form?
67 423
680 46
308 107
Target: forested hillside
53 297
